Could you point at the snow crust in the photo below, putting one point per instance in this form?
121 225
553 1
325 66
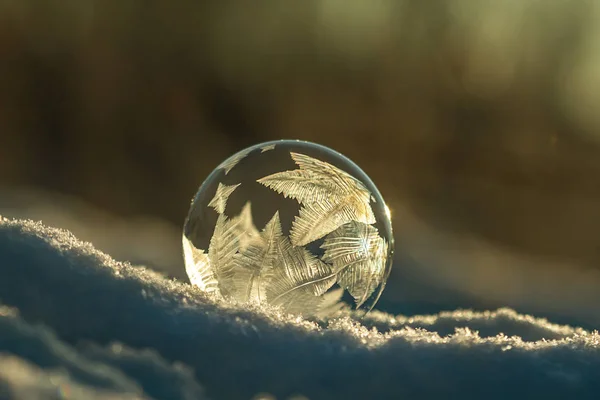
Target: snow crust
75 319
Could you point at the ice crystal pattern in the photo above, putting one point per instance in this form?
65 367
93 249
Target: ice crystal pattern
234 160
330 198
219 202
267 266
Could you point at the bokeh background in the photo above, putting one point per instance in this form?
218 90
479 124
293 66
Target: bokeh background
479 120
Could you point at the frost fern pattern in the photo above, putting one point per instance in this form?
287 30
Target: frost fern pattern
267 266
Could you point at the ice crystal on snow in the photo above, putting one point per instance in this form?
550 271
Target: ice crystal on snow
326 230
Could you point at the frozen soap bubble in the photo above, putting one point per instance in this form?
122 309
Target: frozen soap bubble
292 224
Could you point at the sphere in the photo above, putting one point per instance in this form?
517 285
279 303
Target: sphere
291 224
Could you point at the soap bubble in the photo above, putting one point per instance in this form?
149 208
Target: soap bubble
292 224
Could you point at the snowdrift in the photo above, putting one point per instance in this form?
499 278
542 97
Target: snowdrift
75 322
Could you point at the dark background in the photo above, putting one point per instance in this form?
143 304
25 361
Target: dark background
478 121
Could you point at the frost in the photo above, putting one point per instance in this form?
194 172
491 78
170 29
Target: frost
224 244
299 280
269 267
283 265
358 255
247 232
199 270
234 160
331 198
219 202
254 264
267 148
69 302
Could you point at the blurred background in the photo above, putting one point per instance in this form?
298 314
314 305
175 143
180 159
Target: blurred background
479 120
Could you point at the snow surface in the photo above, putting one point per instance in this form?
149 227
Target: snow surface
77 324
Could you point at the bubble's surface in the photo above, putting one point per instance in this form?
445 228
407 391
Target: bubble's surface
293 224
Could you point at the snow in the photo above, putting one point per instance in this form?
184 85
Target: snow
74 319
